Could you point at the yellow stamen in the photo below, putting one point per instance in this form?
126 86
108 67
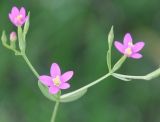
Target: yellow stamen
128 51
19 17
57 81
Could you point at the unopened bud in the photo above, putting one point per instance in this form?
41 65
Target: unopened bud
13 36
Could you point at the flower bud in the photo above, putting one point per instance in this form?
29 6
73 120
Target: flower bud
13 36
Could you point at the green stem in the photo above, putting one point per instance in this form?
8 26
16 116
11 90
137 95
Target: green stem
92 83
30 65
96 81
37 75
55 111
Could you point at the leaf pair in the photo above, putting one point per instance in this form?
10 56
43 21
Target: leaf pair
69 97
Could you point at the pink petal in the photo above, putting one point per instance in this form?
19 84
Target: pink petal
64 86
23 11
136 56
127 39
119 46
15 11
138 46
53 90
55 70
67 76
46 80
11 17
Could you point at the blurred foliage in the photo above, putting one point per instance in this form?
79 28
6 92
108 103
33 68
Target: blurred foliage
73 33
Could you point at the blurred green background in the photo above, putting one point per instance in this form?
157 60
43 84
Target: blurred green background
73 33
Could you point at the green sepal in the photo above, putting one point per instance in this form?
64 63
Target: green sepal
13 44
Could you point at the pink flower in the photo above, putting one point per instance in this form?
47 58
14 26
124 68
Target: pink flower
18 17
56 81
128 48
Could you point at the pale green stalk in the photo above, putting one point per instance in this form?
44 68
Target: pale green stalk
55 109
30 65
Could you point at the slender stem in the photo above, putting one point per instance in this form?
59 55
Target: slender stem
30 65
87 86
96 81
55 111
37 75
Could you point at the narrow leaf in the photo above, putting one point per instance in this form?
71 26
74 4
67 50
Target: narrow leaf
110 37
4 38
72 96
153 74
121 78
119 63
110 41
26 26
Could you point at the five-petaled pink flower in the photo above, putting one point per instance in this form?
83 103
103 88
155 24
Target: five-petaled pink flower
56 81
128 48
18 17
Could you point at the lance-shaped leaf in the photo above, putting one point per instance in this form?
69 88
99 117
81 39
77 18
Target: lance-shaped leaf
26 26
110 42
153 74
121 77
119 63
72 96
4 38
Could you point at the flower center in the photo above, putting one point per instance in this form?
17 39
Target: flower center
130 44
56 81
19 17
128 51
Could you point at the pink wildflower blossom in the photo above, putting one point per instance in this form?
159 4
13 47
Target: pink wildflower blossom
18 17
128 48
56 81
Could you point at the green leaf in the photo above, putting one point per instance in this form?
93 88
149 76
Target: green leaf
72 96
121 78
45 92
109 60
110 37
153 74
119 63
110 41
4 38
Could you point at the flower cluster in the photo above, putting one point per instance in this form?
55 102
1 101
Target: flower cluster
57 81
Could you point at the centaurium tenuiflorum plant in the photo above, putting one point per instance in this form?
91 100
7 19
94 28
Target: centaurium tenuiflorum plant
52 85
